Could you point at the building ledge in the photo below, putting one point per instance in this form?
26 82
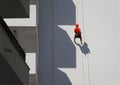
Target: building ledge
14 8
12 58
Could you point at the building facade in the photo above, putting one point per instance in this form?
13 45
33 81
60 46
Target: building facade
20 17
60 61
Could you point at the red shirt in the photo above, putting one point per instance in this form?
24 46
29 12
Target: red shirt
77 30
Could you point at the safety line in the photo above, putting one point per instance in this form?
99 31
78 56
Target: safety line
83 69
83 6
77 13
77 21
88 66
83 18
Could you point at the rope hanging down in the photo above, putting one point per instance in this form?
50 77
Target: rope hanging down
83 29
81 4
77 30
77 8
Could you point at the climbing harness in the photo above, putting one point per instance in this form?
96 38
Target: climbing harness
77 31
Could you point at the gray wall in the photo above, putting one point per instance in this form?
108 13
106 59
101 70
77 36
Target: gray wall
32 79
45 59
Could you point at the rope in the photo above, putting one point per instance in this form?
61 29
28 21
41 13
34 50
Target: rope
88 66
83 19
83 27
77 8
77 15
83 23
77 21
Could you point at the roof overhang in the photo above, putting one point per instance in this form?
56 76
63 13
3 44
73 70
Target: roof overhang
14 8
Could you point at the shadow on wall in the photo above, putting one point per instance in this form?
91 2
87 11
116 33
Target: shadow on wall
64 48
84 48
64 12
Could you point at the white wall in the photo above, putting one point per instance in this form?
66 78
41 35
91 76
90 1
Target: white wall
60 61
31 61
102 35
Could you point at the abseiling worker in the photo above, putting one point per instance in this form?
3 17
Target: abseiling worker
77 31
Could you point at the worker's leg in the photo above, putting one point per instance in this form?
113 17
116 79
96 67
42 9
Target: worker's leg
81 39
74 39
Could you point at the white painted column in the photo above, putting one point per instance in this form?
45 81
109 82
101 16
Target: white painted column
102 34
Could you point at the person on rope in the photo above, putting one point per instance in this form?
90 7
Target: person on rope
77 31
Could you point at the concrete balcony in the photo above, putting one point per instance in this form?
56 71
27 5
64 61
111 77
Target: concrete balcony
14 8
14 70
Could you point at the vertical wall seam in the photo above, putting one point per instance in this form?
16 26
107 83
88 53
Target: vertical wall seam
52 3
37 30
